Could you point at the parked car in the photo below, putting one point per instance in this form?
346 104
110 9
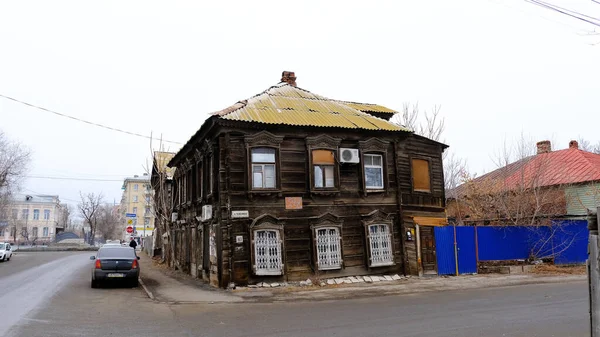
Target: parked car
5 251
115 264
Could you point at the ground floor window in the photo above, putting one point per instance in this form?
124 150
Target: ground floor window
380 244
45 231
267 252
329 253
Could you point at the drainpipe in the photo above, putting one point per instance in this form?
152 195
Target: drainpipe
455 251
418 242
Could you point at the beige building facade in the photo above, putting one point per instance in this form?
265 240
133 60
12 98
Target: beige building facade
137 199
32 219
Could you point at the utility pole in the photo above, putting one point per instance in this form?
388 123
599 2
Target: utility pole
593 269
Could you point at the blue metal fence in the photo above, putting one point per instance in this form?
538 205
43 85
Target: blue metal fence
565 241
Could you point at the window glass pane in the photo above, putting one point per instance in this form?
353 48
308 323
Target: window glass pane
374 177
263 155
318 176
368 159
377 160
269 176
322 157
420 169
329 179
257 179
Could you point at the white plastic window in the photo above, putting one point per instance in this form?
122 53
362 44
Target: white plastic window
373 171
380 243
329 252
263 168
267 252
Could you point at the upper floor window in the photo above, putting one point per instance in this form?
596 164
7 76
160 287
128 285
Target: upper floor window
146 221
46 214
135 198
135 210
135 187
147 199
24 214
373 164
420 173
147 211
15 214
36 214
323 162
263 167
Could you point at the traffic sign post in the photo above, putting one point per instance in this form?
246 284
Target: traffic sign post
130 215
129 229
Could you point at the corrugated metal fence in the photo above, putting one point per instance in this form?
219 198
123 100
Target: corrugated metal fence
565 241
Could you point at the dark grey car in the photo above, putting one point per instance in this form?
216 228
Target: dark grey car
115 264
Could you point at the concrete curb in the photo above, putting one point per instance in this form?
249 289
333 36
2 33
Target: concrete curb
148 292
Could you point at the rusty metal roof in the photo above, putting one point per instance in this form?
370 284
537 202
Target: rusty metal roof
289 105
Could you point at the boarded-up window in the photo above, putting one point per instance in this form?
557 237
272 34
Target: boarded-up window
380 244
420 171
329 252
323 163
267 252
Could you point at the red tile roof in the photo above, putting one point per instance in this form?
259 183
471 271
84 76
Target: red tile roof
569 166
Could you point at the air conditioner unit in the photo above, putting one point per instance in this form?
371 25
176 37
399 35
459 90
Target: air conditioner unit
349 156
206 212
173 217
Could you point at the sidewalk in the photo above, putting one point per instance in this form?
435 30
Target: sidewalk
165 285
162 285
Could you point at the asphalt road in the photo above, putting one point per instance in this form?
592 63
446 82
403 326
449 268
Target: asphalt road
55 299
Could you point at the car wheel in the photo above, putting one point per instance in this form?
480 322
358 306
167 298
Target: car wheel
9 258
94 284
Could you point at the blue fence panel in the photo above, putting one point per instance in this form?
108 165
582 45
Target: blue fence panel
570 241
502 243
467 260
444 250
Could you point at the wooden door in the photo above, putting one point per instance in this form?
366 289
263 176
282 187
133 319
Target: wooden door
427 250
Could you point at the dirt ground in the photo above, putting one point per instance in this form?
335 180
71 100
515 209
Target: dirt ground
544 269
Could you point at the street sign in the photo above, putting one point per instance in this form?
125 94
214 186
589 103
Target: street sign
130 215
129 229
130 221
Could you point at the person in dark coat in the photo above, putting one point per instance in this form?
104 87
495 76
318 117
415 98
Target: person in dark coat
132 243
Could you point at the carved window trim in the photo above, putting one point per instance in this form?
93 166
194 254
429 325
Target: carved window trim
373 219
328 221
324 142
267 223
378 147
263 139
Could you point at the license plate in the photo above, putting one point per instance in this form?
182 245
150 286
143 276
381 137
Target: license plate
115 275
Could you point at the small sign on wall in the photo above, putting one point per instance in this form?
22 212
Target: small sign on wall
293 202
239 214
239 239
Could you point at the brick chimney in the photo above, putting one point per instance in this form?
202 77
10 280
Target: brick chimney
544 146
288 77
574 145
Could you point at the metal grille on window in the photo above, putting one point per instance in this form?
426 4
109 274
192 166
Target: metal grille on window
380 240
267 252
329 255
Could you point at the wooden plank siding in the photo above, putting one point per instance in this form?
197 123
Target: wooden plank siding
351 205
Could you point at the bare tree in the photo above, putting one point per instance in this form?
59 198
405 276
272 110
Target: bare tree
14 161
88 208
108 222
586 145
432 124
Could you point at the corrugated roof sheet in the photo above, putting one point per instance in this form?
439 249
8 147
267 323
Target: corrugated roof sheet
562 167
288 105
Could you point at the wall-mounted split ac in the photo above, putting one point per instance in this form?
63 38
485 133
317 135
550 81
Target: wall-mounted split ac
173 217
349 156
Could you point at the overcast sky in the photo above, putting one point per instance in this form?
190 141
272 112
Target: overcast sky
497 68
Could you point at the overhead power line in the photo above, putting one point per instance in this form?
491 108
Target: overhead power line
87 122
576 15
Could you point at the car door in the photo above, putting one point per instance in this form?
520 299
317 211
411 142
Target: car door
8 250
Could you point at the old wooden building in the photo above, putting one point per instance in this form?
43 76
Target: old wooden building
289 184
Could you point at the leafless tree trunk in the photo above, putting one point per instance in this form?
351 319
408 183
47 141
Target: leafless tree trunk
14 161
108 222
88 209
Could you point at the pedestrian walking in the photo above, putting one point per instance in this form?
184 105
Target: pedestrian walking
133 244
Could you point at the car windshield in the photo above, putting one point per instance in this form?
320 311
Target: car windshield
2 246
116 252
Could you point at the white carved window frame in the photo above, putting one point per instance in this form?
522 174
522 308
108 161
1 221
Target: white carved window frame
274 250
325 257
380 243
